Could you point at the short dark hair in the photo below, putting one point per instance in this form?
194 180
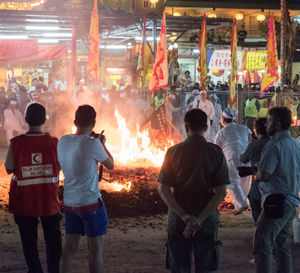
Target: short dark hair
85 116
283 115
227 120
173 88
35 114
196 119
187 72
260 126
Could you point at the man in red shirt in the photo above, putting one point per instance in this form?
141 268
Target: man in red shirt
32 158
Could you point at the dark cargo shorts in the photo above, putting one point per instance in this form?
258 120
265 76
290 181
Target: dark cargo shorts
204 244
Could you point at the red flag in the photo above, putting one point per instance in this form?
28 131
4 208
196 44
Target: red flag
93 59
272 74
202 59
159 77
234 68
72 70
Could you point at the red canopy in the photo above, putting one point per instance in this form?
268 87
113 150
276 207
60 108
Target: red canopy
23 51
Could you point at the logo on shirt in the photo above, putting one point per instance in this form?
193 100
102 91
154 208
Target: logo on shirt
36 158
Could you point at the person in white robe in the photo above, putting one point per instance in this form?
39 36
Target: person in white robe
14 123
215 127
201 102
234 139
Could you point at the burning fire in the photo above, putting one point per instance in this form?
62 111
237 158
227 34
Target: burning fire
115 186
74 129
134 149
61 176
131 149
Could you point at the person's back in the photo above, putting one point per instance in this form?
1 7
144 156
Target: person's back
32 158
35 169
193 182
233 139
190 163
78 156
84 209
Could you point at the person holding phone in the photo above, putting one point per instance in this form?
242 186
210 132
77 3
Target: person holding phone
85 213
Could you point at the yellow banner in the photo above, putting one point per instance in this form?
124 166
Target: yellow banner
256 60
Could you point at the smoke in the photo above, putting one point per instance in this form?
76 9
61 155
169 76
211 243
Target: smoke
63 108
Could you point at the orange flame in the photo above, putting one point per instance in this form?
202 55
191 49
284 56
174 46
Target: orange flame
61 176
135 149
115 186
74 129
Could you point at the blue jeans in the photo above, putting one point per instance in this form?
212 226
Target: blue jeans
274 235
254 197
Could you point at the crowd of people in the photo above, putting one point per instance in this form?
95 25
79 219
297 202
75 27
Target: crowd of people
217 154
193 181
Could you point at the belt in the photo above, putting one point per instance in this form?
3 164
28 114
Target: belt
88 208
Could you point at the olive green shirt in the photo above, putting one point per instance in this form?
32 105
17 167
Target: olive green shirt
194 168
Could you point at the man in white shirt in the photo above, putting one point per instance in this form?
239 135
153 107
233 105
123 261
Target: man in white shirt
215 127
234 139
13 121
207 107
85 213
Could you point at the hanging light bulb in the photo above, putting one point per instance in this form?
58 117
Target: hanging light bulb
212 15
260 17
154 1
239 16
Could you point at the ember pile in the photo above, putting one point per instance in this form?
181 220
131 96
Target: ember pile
126 192
132 192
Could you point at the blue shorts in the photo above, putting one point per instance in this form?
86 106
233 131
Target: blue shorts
90 223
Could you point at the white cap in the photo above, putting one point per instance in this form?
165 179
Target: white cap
228 113
31 89
195 92
172 96
13 102
203 92
214 96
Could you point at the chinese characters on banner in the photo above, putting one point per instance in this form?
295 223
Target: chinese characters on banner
221 59
256 60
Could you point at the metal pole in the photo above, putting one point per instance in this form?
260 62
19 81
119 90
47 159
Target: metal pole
154 33
283 6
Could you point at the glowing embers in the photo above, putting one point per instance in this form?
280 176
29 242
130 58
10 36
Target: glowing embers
61 176
138 149
115 186
74 129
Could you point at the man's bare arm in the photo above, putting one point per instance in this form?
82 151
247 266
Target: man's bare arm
9 161
109 162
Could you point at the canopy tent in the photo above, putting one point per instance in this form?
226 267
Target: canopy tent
18 51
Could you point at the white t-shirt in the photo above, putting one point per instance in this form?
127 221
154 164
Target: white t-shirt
78 156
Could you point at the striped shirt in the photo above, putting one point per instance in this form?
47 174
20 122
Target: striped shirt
253 151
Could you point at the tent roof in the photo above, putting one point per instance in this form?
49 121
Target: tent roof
242 4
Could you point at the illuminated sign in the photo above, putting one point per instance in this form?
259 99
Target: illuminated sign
29 5
147 4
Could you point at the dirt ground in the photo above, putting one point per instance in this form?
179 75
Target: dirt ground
134 245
